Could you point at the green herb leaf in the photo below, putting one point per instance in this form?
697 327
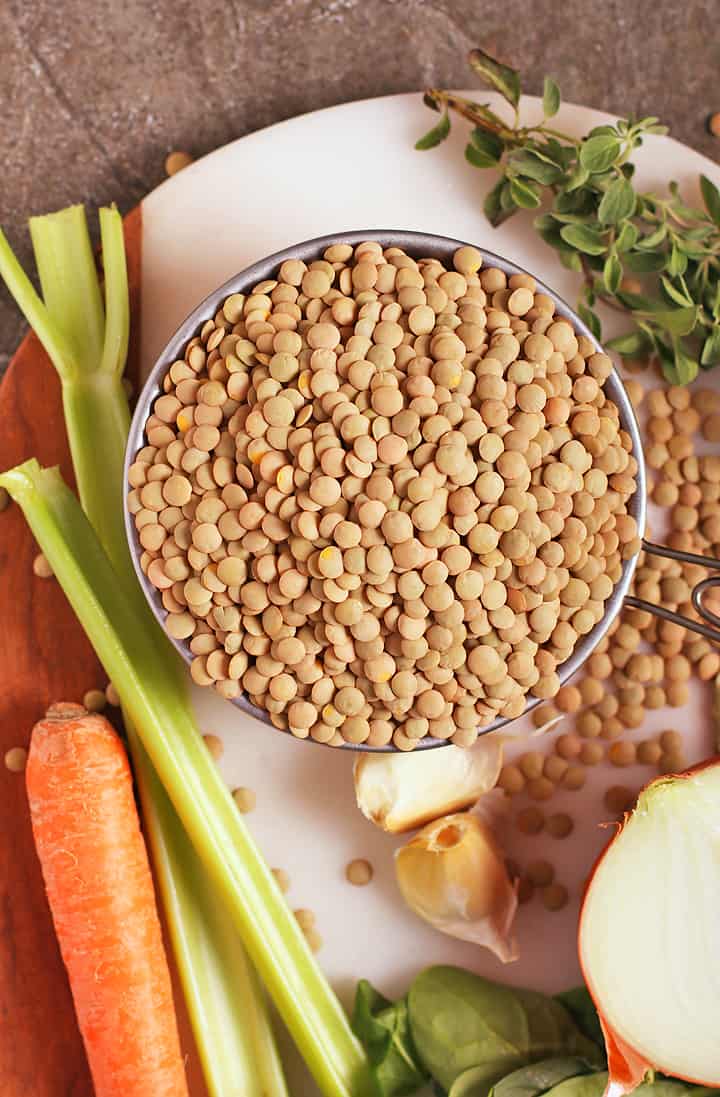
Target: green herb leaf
678 261
686 367
710 355
612 273
711 198
591 319
578 177
645 262
585 239
675 293
600 152
626 238
436 135
488 143
676 321
618 203
500 77
571 260
460 1020
524 194
383 1028
633 345
478 158
551 97
650 241
492 206
533 165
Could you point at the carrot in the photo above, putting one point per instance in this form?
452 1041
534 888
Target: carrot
100 891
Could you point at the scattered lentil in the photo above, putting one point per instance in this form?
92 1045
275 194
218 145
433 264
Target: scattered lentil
112 696
359 872
41 567
245 799
540 873
559 825
16 759
555 897
282 879
176 161
214 744
530 820
94 700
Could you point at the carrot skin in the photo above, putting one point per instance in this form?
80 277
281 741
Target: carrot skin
100 891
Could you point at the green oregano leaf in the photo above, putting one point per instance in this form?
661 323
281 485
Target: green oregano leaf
578 178
498 76
436 135
591 319
626 237
618 203
711 198
524 193
676 294
533 165
584 238
645 262
600 152
632 345
551 98
488 143
710 355
686 366
612 273
493 208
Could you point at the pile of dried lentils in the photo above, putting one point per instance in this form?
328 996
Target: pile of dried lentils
385 498
644 664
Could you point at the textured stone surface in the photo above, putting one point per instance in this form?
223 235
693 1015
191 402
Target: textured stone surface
95 93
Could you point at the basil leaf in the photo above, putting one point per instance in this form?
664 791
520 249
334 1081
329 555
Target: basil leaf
591 319
632 345
533 165
617 204
436 135
598 153
551 98
460 1020
578 1001
584 238
679 296
645 262
489 143
524 194
383 1029
498 76
612 273
711 198
710 355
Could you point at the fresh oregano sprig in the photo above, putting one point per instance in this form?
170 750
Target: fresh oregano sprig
647 255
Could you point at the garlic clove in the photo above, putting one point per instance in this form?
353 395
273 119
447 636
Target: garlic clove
453 875
399 792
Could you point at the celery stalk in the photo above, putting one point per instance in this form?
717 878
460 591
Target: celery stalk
234 1021
227 1008
144 674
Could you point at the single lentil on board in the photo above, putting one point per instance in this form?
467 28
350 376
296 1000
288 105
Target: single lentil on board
382 475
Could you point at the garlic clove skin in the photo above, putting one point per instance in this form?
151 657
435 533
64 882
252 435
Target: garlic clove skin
453 875
399 792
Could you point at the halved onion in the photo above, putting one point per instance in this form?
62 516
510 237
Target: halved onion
648 940
399 792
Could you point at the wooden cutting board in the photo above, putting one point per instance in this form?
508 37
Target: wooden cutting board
44 657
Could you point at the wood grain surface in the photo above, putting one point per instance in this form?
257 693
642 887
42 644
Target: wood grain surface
44 657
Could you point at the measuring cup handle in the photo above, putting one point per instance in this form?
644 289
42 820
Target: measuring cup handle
711 630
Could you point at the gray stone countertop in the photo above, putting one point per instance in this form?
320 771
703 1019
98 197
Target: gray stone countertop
95 93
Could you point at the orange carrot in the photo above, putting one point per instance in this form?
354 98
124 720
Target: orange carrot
100 890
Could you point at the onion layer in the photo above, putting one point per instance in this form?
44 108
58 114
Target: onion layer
648 941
